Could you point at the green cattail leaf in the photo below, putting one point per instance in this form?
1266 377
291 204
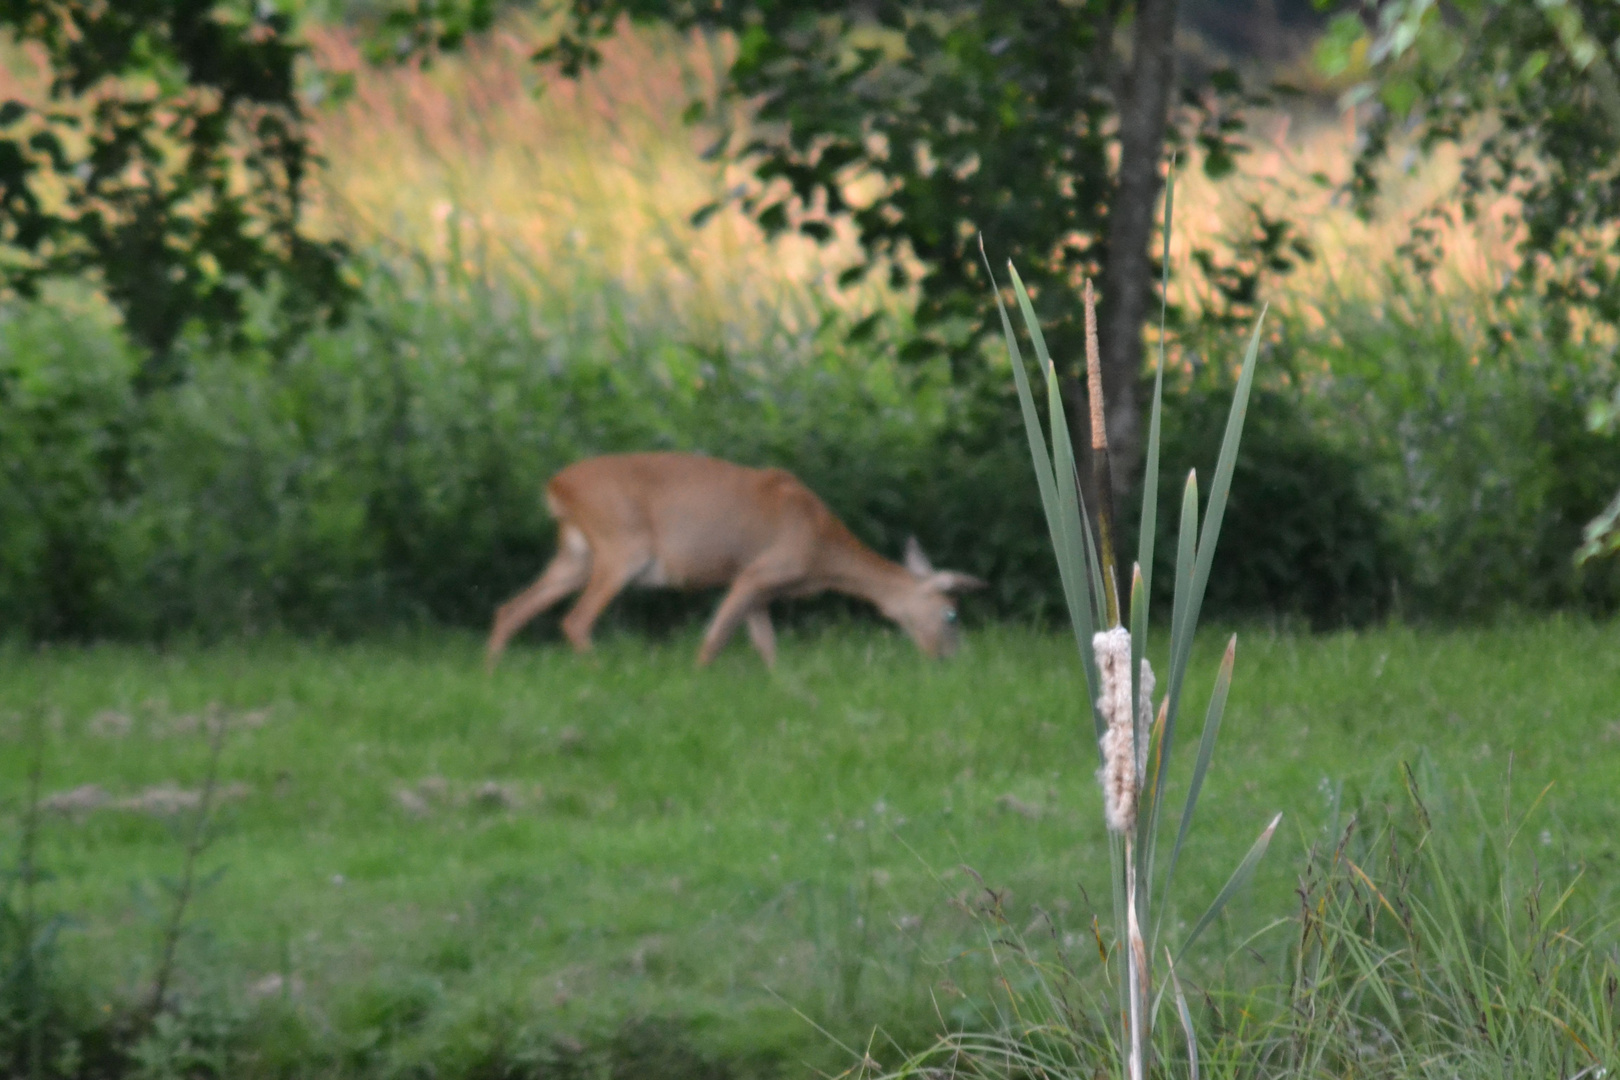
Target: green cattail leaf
1239 878
1150 472
1140 735
1219 488
1147 534
1076 529
1186 558
1186 1020
1032 429
1072 526
1069 496
1206 751
1180 634
1073 584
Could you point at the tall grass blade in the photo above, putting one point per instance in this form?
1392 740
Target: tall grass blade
1070 498
1239 878
1075 591
1038 452
1181 638
1186 1019
1075 524
1220 487
1186 557
1146 536
1150 471
1206 751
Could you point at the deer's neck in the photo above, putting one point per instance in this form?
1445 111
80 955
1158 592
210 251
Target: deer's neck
850 567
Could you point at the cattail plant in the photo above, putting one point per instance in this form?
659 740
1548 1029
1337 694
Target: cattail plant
1134 739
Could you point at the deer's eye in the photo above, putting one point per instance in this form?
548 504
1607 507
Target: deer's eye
950 614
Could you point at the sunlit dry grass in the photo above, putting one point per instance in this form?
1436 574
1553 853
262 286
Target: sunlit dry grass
486 160
598 179
1296 169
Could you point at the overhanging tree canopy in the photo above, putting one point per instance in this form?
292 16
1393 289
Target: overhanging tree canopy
167 158
1041 125
1531 93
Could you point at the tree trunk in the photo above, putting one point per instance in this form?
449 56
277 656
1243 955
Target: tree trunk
1127 285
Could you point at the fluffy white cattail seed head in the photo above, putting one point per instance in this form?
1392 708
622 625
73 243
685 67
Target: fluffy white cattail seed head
1145 707
1124 760
1118 772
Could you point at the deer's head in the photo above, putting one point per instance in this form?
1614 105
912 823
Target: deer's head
927 609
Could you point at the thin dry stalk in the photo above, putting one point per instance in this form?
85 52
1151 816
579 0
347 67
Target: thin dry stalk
196 844
28 880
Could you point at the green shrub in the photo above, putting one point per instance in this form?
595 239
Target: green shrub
390 472
1473 445
1302 537
65 426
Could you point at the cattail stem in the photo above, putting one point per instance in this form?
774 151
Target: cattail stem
1123 764
1102 474
1136 962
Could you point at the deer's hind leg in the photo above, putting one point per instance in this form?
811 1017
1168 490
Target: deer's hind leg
567 573
612 568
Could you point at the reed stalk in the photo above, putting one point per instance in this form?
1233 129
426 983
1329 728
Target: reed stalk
1134 748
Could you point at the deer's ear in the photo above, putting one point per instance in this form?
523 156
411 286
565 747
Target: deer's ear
953 581
916 561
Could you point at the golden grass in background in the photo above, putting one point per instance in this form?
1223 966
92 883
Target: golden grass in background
596 181
581 184
489 161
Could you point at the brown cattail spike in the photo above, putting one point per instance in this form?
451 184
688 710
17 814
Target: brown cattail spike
1101 470
1099 429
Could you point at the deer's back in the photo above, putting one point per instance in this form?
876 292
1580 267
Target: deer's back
700 519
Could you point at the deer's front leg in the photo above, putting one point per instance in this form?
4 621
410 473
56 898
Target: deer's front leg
762 633
749 593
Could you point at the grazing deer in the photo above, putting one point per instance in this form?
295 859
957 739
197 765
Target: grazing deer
687 521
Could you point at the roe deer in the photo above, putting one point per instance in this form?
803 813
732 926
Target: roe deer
688 521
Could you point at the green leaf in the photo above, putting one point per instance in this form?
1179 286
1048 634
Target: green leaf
1533 65
1079 610
1072 523
1147 530
1140 731
1186 557
1220 488
751 46
1399 93
1150 471
1071 502
1186 1020
1239 878
1337 50
1206 751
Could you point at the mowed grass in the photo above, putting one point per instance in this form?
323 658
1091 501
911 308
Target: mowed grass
417 860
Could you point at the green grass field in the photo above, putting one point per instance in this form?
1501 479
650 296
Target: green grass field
419 864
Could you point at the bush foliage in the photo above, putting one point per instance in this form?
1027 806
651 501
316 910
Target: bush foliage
389 471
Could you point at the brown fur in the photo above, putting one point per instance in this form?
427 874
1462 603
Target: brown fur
686 521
